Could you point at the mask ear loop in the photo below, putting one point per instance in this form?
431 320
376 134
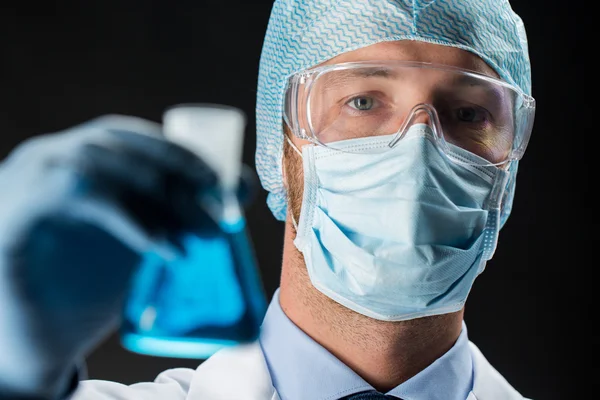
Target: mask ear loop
293 145
300 154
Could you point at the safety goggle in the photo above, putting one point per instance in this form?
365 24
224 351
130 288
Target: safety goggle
483 115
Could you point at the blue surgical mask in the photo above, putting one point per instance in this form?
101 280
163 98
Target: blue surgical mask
401 233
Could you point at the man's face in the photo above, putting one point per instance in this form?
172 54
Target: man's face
404 50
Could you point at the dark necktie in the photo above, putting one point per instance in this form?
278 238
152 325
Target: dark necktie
370 395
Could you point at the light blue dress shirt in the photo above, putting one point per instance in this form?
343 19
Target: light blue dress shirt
302 369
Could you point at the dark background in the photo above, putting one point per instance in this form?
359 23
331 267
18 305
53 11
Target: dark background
65 62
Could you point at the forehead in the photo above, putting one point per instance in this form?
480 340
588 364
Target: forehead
411 50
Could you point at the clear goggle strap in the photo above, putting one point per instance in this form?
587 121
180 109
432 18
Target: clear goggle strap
300 154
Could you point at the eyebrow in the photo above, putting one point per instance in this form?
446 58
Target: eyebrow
468 80
341 77
473 82
377 72
364 73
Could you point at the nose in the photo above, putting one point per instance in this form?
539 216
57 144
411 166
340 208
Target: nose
421 116
422 113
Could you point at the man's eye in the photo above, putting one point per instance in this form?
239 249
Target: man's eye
361 103
470 114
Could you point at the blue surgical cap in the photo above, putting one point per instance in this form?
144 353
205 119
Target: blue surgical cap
304 33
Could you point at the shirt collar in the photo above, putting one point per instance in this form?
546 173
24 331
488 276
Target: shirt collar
301 369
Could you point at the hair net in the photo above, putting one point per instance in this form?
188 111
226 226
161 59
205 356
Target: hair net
304 33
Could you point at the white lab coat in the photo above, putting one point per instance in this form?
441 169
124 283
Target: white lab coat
240 373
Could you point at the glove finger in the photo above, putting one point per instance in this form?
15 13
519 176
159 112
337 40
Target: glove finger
248 186
170 156
159 200
145 138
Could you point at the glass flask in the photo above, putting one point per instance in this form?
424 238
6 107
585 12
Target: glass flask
191 306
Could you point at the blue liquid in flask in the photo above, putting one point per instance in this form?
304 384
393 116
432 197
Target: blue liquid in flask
194 305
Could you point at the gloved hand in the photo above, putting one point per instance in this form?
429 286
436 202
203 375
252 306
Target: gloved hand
77 208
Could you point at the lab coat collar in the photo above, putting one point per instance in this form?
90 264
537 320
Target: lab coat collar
241 373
